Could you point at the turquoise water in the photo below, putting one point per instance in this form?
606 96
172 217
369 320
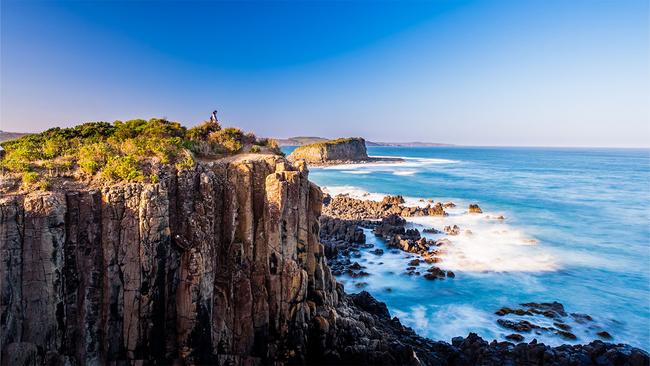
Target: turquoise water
577 231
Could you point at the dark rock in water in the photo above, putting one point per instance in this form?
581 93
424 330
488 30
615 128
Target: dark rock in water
506 310
515 337
519 326
432 231
548 309
475 209
326 199
361 284
359 274
356 266
605 335
581 318
451 230
414 262
449 205
566 335
451 274
434 273
378 251
562 326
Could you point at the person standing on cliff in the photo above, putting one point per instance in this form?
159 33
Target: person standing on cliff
213 117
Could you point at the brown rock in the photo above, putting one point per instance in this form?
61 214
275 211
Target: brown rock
475 209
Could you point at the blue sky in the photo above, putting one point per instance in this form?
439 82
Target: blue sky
542 73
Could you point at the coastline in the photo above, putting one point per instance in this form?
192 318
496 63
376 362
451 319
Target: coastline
373 179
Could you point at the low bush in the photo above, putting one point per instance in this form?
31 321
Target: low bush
122 151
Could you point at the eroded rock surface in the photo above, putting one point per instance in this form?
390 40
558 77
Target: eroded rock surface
346 207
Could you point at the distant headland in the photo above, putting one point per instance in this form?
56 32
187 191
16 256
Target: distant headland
306 140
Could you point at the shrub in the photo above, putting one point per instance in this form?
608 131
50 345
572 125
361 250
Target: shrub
91 158
202 131
122 168
127 151
30 178
230 138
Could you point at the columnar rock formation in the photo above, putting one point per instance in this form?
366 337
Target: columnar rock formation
211 265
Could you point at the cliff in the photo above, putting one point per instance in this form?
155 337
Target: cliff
216 265
220 264
344 149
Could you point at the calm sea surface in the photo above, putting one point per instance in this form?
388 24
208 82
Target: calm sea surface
577 231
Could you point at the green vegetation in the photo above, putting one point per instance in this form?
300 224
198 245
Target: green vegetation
130 151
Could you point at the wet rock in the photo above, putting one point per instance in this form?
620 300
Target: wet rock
378 251
562 326
432 231
515 337
519 326
581 318
474 209
346 207
449 204
604 335
414 262
566 335
451 274
506 310
548 309
451 230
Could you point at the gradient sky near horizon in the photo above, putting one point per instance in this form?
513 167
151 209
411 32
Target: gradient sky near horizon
500 72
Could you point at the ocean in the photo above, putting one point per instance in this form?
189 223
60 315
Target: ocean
576 231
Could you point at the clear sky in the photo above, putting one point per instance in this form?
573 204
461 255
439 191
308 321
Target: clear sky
500 72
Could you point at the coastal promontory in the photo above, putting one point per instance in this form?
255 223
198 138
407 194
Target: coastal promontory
143 242
340 150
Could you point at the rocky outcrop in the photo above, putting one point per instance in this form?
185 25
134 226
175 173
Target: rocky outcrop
221 264
346 207
339 150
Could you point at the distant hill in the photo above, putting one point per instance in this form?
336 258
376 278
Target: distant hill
6 136
300 140
306 140
406 144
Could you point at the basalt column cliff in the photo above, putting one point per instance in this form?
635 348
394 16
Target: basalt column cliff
214 265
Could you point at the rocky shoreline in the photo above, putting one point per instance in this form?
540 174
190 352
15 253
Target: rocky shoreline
223 264
385 218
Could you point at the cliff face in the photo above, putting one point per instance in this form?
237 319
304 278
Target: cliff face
211 265
348 149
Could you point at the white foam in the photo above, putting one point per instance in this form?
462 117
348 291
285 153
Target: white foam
491 245
488 245
446 322
378 166
404 172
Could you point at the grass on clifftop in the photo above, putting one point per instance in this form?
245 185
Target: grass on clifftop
130 151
